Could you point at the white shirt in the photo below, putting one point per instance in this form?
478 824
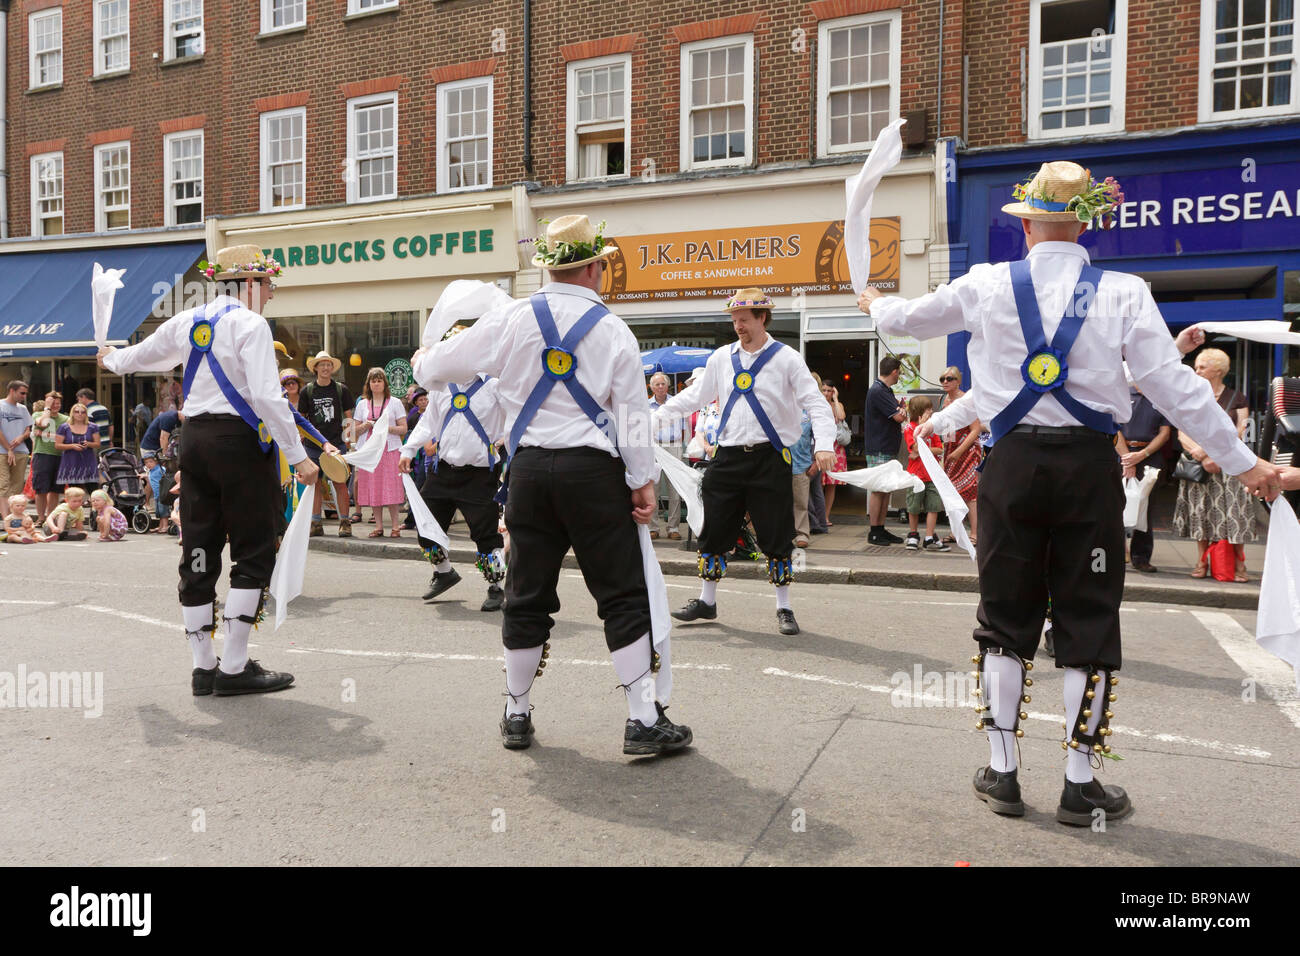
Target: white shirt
507 344
671 430
460 445
1123 323
241 344
784 387
393 411
955 415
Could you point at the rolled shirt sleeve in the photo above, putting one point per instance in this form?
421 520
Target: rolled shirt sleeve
950 308
267 400
956 415
628 401
160 352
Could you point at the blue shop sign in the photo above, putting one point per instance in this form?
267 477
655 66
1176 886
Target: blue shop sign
1247 208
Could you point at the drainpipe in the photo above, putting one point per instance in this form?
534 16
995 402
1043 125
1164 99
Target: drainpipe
4 119
938 112
528 86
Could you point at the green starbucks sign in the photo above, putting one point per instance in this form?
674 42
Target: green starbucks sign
400 376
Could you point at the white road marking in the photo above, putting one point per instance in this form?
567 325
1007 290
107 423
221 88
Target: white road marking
1275 676
128 616
933 699
436 656
46 603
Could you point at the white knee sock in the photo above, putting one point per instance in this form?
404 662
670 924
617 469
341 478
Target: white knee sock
1078 764
1003 683
783 597
521 671
709 592
205 655
444 567
632 664
234 652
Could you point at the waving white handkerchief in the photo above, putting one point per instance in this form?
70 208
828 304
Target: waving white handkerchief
952 501
425 523
104 284
291 559
858 191
463 299
368 456
687 482
1268 331
661 623
886 478
1277 625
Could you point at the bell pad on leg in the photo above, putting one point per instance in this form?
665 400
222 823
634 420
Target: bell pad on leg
780 571
434 554
712 566
1098 695
490 566
983 694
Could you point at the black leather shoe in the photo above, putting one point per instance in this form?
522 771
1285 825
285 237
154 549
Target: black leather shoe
1001 791
441 582
254 679
664 737
696 610
876 538
201 680
516 731
891 537
785 620
493 600
1080 800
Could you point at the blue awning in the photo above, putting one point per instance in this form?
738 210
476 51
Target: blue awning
45 296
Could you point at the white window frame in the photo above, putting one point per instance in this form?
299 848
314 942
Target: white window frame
444 172
895 20
1118 77
268 19
366 6
102 211
1205 86
684 131
353 178
38 230
99 38
33 70
263 163
169 37
573 159
169 199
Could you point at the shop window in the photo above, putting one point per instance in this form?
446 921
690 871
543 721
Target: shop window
465 134
857 81
283 15
378 338
45 30
365 6
1077 57
1248 58
47 194
717 103
112 36
112 187
302 337
184 152
183 28
599 104
284 163
372 148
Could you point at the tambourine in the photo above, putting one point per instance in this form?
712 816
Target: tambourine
333 466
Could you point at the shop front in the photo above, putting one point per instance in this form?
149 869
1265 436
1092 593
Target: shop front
684 247
1211 221
359 281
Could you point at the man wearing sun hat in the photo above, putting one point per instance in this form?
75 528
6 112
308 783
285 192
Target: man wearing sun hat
329 405
1048 338
581 472
235 416
762 386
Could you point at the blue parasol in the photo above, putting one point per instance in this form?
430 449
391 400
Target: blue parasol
674 359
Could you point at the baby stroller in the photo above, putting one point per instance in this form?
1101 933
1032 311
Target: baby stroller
120 471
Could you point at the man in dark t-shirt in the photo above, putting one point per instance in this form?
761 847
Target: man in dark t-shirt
99 416
328 404
882 431
1144 434
159 434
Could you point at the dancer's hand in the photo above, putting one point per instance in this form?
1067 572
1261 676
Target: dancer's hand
306 472
643 503
825 462
404 465
923 431
1262 481
1189 339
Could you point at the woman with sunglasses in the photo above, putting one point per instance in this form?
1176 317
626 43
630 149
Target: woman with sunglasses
962 453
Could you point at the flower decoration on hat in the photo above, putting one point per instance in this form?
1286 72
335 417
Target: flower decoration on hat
569 241
241 262
1098 201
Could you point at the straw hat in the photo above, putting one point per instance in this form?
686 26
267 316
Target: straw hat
323 356
288 374
1049 193
241 262
749 299
571 241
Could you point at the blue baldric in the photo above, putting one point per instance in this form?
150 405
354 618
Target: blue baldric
201 337
1045 369
744 385
460 406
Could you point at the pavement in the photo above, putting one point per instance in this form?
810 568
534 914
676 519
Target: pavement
852 743
843 556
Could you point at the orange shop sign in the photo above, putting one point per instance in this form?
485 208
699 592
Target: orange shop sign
807 256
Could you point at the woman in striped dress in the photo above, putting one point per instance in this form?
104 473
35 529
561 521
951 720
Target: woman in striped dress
962 452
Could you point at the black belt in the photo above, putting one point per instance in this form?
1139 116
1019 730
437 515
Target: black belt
215 417
756 446
1079 431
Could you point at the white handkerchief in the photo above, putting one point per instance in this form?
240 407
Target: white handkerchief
886 478
425 523
1269 331
463 299
291 560
858 191
1277 625
367 457
660 620
952 501
687 482
104 284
